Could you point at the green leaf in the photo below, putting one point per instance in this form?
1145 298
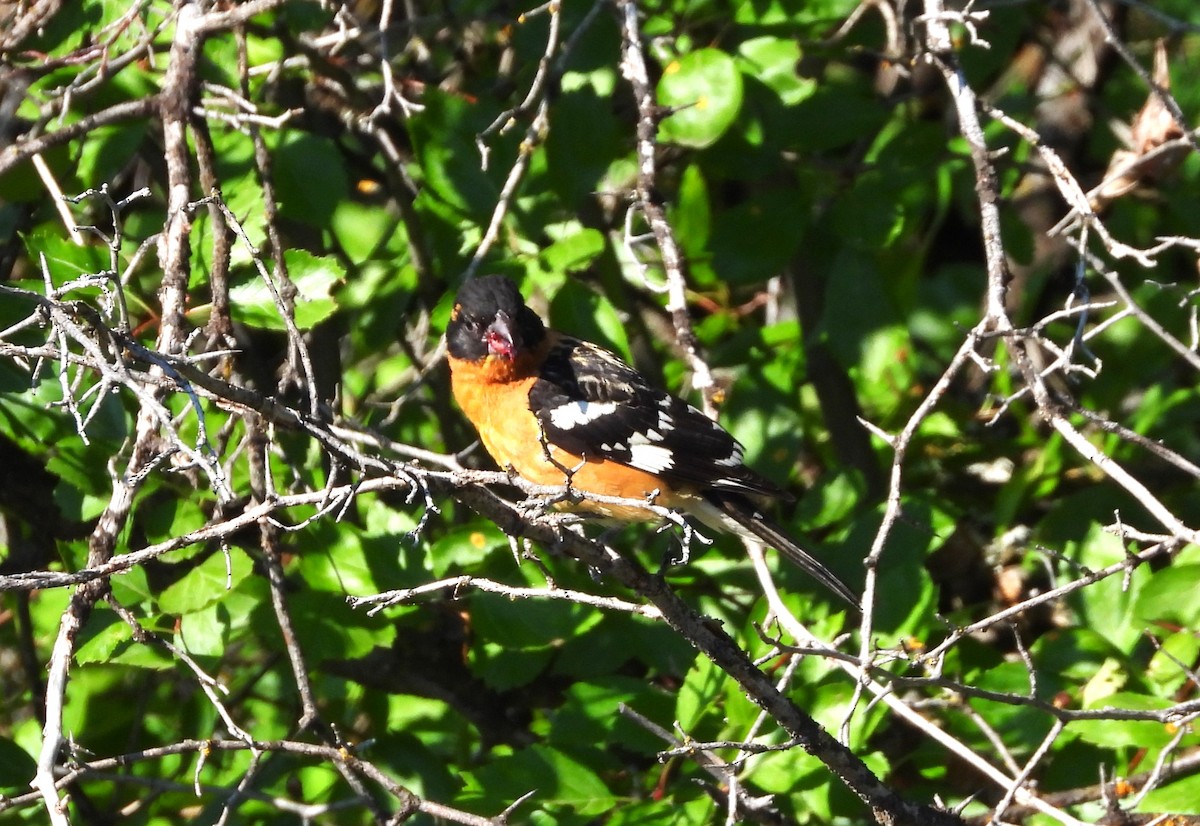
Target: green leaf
361 228
591 713
705 88
589 316
559 780
106 151
1164 670
1169 596
902 574
808 13
64 259
603 651
754 241
504 668
698 696
585 141
869 215
528 623
443 136
173 517
310 178
838 114
832 498
101 642
204 633
465 548
575 251
692 215
1110 678
109 640
1116 733
131 587
329 629
1076 655
773 60
17 766
209 582
1179 798
885 363
856 308
684 807
337 563
314 278
784 771
1108 606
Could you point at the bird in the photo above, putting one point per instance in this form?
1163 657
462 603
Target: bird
560 411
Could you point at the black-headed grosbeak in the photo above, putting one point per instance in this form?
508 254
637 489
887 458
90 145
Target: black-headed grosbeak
559 411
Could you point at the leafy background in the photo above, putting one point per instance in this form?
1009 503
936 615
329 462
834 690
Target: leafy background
232 370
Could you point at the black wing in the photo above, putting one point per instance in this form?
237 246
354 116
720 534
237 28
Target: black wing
591 403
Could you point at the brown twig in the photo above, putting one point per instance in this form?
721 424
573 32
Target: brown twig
649 201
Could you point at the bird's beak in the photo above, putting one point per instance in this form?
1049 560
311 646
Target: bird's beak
501 339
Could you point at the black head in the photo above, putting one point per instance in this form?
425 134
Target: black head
490 318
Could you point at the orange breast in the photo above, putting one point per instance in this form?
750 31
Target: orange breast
510 432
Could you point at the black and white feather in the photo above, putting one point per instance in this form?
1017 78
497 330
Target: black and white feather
594 405
591 403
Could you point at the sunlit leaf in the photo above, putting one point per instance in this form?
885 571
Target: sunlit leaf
1116 732
1179 797
774 61
705 89
209 582
1167 596
255 302
560 781
575 251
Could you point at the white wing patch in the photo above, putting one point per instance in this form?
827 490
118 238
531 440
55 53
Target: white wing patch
595 406
576 414
651 458
732 460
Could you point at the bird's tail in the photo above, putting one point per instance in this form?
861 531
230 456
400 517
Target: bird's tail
747 518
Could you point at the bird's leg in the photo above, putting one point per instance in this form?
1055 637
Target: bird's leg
670 559
511 473
690 534
570 494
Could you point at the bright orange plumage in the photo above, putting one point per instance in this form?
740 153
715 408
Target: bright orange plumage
494 396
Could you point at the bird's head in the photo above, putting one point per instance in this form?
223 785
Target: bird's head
490 319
